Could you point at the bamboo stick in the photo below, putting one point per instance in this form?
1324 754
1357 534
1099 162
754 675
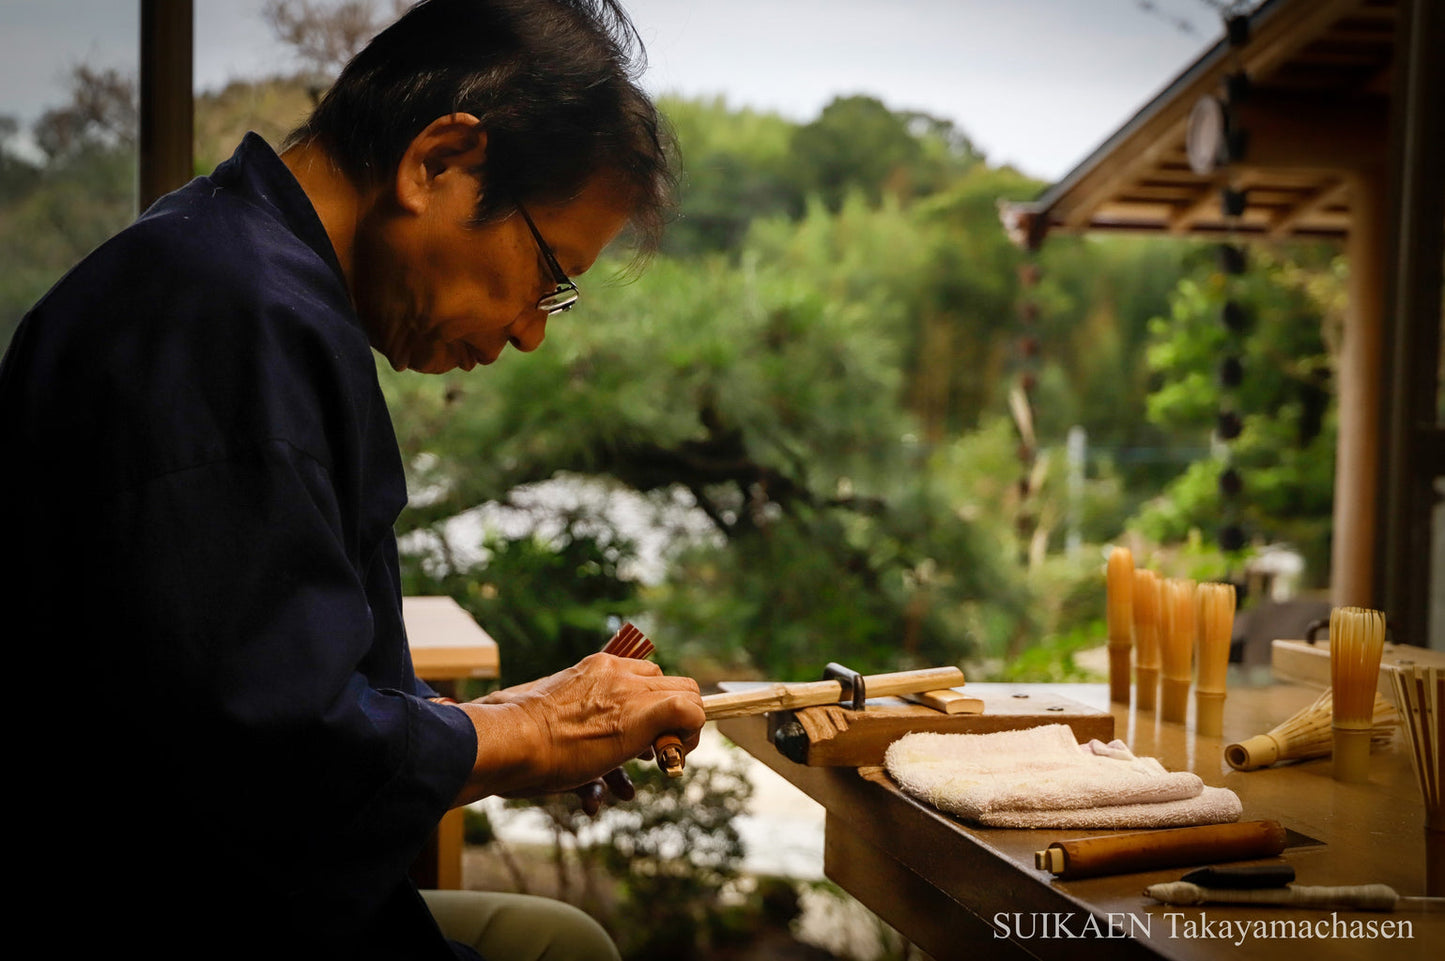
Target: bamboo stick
1119 591
787 697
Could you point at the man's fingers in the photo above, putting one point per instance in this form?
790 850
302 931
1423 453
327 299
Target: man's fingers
620 784
590 794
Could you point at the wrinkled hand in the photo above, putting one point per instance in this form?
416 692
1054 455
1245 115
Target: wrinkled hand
573 730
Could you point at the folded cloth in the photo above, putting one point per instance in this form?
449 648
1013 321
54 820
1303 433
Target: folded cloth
1042 777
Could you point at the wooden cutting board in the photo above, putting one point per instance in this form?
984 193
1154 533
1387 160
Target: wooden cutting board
837 736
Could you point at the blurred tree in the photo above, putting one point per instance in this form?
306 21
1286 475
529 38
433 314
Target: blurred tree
857 143
734 170
57 208
326 35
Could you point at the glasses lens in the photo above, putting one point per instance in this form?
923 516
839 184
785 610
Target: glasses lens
559 300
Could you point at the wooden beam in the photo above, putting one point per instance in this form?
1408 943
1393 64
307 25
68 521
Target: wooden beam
1159 127
1332 193
1312 132
1204 204
166 103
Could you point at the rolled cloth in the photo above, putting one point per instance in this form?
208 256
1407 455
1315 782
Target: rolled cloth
1043 778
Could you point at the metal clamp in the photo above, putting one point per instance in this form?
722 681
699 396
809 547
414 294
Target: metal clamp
854 691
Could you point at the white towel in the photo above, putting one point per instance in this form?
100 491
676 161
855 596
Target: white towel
1042 777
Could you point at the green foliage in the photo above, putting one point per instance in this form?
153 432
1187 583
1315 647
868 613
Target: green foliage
1285 453
858 144
677 851
734 171
548 602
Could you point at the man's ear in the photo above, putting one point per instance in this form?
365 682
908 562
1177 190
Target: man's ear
450 145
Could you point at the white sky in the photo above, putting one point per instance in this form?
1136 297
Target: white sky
1036 83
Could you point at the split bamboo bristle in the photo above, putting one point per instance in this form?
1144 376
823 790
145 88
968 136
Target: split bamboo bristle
1176 647
1306 734
1146 638
1120 606
1357 639
1216 628
1420 694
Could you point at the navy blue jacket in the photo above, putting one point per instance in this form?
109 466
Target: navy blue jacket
201 480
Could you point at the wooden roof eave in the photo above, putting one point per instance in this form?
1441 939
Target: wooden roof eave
1277 29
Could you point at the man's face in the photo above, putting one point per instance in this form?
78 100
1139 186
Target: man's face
437 293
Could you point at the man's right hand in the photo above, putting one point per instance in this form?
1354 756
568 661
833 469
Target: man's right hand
577 726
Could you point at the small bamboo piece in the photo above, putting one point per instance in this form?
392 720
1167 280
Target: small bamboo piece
1216 628
1119 589
1357 639
1306 734
947 701
1146 638
1420 694
1176 647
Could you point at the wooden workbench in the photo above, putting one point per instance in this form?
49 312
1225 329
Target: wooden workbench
964 892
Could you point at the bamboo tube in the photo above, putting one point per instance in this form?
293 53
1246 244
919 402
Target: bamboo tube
786 697
1357 639
1150 850
1146 638
1176 647
1306 734
1216 628
1119 590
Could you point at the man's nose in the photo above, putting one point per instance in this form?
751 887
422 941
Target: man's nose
527 332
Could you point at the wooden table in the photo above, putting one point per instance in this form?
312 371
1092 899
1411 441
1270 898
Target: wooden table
447 646
964 892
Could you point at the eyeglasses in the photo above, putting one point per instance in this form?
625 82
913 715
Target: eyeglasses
566 293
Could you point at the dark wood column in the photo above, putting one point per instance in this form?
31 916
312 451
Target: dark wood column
166 103
1414 442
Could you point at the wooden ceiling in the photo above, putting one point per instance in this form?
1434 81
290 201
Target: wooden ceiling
1315 110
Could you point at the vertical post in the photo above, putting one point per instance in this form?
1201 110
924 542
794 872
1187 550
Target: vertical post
1357 453
166 102
1409 570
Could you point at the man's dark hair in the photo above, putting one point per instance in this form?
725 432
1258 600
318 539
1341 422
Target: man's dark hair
552 81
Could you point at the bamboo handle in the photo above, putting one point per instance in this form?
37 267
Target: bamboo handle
669 753
1361 897
1171 847
785 697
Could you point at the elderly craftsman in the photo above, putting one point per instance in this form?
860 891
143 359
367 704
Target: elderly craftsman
202 484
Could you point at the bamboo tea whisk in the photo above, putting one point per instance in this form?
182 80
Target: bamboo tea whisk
1306 734
1119 588
1216 627
1357 639
1176 647
1146 638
